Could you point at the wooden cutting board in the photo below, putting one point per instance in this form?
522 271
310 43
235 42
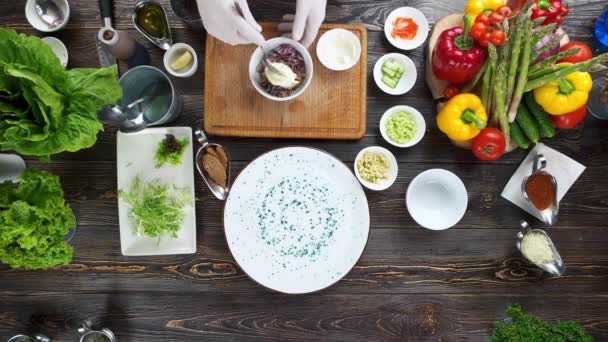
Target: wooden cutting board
333 106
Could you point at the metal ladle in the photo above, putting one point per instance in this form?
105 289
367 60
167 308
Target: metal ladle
220 192
556 266
548 215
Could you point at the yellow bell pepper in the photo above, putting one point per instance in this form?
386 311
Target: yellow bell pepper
473 8
462 117
566 94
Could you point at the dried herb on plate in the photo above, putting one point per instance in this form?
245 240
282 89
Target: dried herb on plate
156 208
170 151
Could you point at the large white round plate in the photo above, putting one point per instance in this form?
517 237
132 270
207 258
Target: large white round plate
296 220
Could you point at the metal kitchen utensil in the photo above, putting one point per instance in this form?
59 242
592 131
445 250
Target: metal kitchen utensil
25 338
49 12
267 63
549 215
149 11
220 192
87 334
11 167
555 267
106 59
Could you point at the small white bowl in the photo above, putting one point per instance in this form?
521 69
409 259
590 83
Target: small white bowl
418 17
393 169
58 48
174 51
337 45
436 199
418 120
408 79
36 21
256 59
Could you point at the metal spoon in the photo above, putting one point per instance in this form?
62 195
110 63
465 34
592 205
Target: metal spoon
116 115
11 167
267 63
220 192
548 215
48 11
556 266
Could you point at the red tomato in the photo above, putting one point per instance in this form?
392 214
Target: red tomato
505 11
584 54
483 18
450 91
569 120
497 37
489 144
485 39
496 18
478 30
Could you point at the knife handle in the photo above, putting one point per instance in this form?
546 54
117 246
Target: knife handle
105 8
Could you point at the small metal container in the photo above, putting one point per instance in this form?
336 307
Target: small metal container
87 334
162 42
25 338
220 192
549 215
556 266
187 11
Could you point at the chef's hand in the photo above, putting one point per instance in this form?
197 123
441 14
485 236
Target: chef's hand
230 21
305 25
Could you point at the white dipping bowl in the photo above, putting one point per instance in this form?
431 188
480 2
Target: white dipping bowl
418 17
256 59
58 48
393 169
341 56
32 16
174 51
408 79
418 120
436 199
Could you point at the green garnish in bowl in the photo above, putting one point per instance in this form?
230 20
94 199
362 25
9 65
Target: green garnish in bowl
401 127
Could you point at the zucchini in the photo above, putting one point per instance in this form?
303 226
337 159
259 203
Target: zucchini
518 136
542 118
527 123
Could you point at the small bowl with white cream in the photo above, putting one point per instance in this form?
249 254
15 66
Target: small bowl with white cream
402 126
376 168
289 73
537 247
339 49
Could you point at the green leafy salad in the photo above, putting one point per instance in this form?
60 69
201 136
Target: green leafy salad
34 218
170 151
157 209
530 328
44 108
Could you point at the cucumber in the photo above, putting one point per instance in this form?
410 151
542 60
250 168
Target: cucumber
527 124
542 118
389 72
401 69
392 65
389 81
518 136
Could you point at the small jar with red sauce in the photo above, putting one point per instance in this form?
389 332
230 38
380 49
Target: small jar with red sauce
540 189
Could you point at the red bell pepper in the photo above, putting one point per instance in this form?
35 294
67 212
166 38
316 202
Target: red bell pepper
456 56
553 10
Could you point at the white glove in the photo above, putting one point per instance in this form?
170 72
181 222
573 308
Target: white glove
230 21
305 25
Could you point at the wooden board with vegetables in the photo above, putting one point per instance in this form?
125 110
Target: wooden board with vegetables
516 66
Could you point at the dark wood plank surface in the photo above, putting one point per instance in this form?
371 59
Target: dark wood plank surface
410 284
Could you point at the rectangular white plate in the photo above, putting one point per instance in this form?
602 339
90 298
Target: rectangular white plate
135 156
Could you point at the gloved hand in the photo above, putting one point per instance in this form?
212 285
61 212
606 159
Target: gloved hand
305 25
230 21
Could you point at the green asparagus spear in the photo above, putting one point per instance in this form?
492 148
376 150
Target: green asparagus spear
545 71
485 85
550 44
581 66
551 60
541 32
515 53
524 64
499 95
470 85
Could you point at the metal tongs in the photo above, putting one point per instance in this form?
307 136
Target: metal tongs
220 192
556 266
548 215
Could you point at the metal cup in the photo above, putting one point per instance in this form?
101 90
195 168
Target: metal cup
187 11
25 338
162 104
87 334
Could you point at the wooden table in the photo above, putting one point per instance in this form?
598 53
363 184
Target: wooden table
410 284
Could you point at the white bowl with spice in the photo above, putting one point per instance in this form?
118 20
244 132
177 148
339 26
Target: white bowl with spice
402 126
376 168
395 74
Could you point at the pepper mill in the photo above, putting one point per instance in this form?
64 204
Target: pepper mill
123 47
